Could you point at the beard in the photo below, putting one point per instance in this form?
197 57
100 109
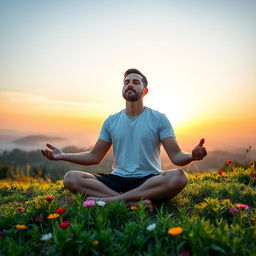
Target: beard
132 96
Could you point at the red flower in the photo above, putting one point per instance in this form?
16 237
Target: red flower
49 198
21 209
60 211
39 219
229 161
65 224
220 172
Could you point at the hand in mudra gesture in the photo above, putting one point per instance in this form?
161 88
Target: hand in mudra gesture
199 152
52 153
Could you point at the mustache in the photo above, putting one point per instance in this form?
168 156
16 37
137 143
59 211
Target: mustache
129 90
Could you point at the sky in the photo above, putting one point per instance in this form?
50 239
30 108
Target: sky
62 65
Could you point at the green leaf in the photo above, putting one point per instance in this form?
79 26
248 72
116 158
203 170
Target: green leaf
217 248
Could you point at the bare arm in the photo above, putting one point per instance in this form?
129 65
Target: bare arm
182 158
84 158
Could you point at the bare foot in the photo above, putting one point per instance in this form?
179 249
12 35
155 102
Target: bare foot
146 202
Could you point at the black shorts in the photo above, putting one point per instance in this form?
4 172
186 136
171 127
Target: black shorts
124 184
121 184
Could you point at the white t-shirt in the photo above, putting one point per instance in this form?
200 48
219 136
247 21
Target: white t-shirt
136 141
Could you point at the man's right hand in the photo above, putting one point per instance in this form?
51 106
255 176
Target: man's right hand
52 153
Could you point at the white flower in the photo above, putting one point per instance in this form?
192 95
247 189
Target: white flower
101 203
151 227
46 237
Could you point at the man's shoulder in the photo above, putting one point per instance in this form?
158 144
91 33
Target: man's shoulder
113 117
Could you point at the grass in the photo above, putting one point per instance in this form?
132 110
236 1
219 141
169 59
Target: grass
202 211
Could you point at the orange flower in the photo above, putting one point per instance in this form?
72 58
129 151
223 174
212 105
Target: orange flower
134 207
175 231
18 226
95 242
53 216
203 205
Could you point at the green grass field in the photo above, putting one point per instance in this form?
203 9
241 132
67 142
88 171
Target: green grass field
214 215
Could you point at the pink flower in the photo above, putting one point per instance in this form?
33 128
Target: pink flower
89 203
64 224
64 198
49 198
2 233
242 206
233 210
21 209
185 253
229 161
39 219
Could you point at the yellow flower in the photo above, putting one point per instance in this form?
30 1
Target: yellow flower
175 231
134 207
53 216
18 226
204 205
95 242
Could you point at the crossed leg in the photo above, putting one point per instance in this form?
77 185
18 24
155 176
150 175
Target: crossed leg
166 185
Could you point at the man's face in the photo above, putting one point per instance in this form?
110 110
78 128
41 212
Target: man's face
133 87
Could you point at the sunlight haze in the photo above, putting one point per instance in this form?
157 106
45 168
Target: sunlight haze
62 65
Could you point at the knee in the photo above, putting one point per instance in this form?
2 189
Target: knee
69 180
178 179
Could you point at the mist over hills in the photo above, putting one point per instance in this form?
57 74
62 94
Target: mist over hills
10 140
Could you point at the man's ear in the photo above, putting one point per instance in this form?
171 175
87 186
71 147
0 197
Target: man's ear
145 91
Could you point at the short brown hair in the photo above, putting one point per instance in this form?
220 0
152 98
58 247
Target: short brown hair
136 71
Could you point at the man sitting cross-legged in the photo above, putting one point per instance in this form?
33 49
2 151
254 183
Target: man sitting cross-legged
136 134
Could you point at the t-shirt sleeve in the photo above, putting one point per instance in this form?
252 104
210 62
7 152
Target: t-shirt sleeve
105 133
165 128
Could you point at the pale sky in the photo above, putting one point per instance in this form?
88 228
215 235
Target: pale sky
62 65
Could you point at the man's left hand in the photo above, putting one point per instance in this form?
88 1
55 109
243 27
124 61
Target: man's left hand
199 152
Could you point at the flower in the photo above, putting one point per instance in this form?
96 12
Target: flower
229 161
60 211
21 209
185 253
18 226
233 210
2 233
252 165
53 216
64 198
151 227
134 207
242 206
203 205
64 224
39 219
228 200
197 175
49 198
101 203
46 237
95 242
88 203
220 172
175 231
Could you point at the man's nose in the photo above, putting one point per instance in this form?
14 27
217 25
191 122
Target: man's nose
129 86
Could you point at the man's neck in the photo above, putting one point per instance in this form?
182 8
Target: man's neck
134 108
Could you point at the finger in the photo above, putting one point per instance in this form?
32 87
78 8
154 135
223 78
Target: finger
50 146
204 151
42 151
201 142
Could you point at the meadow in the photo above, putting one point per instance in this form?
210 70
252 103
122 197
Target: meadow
214 215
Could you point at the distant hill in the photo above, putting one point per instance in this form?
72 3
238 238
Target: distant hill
38 139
